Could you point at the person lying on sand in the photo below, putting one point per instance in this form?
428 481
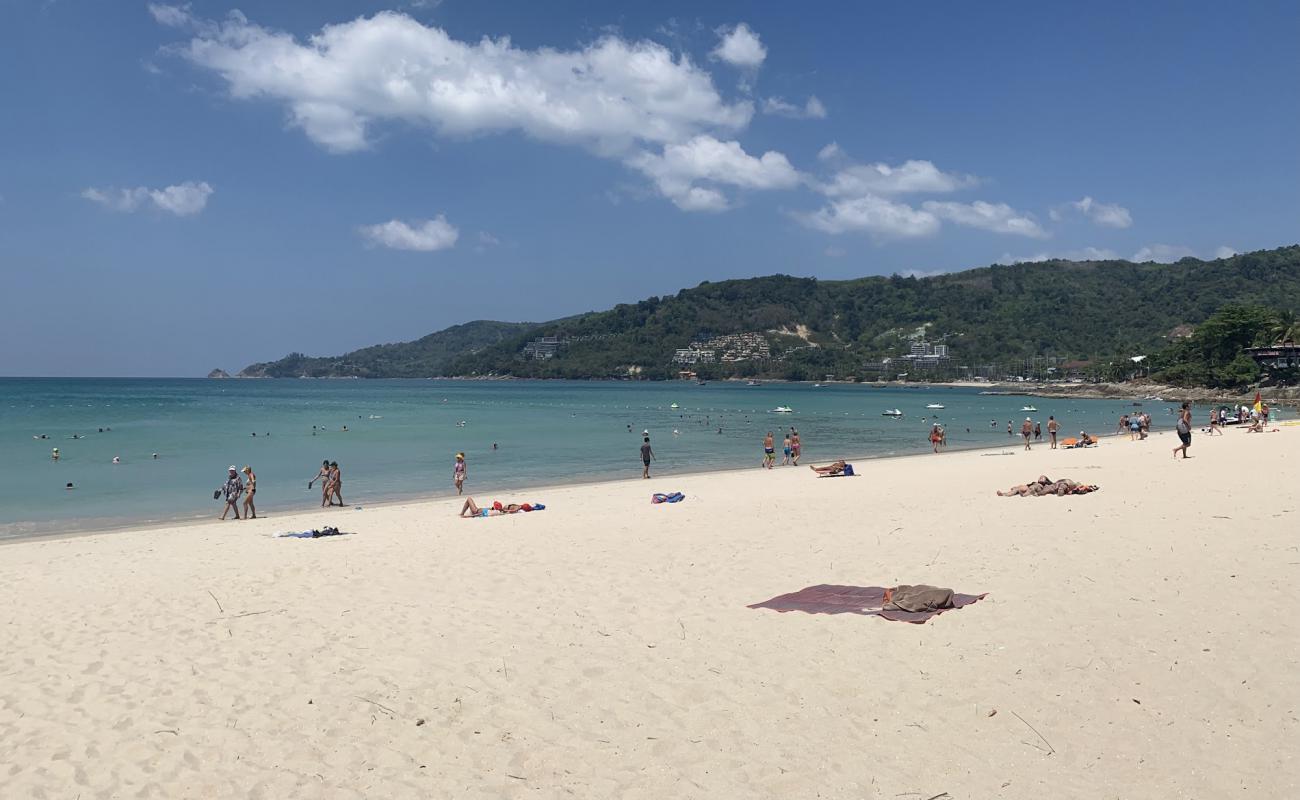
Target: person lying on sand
471 509
830 469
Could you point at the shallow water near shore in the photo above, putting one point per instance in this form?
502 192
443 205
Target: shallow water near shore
402 435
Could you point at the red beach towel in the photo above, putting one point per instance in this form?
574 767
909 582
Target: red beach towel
867 601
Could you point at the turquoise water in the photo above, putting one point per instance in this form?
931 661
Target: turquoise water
402 436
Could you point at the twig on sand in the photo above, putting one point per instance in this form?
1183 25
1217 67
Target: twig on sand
516 777
383 707
253 613
1050 749
683 627
936 556
169 730
505 668
937 796
215 600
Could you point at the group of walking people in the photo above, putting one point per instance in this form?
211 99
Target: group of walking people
234 488
791 448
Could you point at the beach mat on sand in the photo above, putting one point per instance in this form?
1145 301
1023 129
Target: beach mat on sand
868 601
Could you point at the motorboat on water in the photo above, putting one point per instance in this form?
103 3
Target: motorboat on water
1028 408
891 412
674 405
935 405
783 410
752 383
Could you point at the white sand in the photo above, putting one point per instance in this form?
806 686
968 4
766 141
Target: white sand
603 648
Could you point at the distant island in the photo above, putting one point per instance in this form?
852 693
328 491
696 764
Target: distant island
1047 321
218 373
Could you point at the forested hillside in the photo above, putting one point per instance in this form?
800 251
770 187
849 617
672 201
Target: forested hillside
1094 310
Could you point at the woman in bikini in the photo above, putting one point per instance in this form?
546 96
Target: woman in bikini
336 483
458 473
250 511
795 446
324 477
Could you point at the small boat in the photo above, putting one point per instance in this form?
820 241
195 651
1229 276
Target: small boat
935 405
752 383
1028 408
674 405
891 412
817 386
702 383
783 410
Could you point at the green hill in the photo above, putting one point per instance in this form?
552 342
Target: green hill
422 358
1076 311
804 328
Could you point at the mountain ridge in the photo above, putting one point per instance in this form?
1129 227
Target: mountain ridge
806 328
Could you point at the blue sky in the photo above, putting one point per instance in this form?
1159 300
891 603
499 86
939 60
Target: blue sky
190 186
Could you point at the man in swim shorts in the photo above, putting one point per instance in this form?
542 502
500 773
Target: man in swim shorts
647 455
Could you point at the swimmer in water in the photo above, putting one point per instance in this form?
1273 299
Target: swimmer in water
54 454
117 460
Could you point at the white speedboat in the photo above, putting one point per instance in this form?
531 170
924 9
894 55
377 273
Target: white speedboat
674 405
935 405
1028 408
752 383
891 412
783 410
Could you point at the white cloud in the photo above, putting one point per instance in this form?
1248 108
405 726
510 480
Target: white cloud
1110 215
1163 253
909 177
831 152
812 109
996 217
1223 251
172 16
883 218
182 199
1082 254
422 235
740 47
607 95
680 167
618 98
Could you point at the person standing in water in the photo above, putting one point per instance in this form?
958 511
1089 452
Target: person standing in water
231 490
458 473
250 510
769 450
647 455
785 451
324 477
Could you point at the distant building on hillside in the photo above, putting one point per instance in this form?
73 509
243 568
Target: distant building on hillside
694 355
542 348
1277 356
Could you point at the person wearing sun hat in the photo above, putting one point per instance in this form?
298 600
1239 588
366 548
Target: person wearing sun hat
231 490
458 473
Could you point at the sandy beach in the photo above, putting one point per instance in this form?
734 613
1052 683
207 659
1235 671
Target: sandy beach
1135 642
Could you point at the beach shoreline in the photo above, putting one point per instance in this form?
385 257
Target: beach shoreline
96 526
603 647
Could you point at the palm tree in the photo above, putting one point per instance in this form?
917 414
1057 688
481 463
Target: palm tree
1286 328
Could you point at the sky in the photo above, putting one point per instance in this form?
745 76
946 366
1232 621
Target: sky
208 184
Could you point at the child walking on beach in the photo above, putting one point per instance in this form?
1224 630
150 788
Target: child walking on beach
785 449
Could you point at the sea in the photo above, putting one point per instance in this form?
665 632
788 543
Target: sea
396 439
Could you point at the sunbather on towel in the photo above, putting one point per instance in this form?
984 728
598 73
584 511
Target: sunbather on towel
830 469
1044 486
471 509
